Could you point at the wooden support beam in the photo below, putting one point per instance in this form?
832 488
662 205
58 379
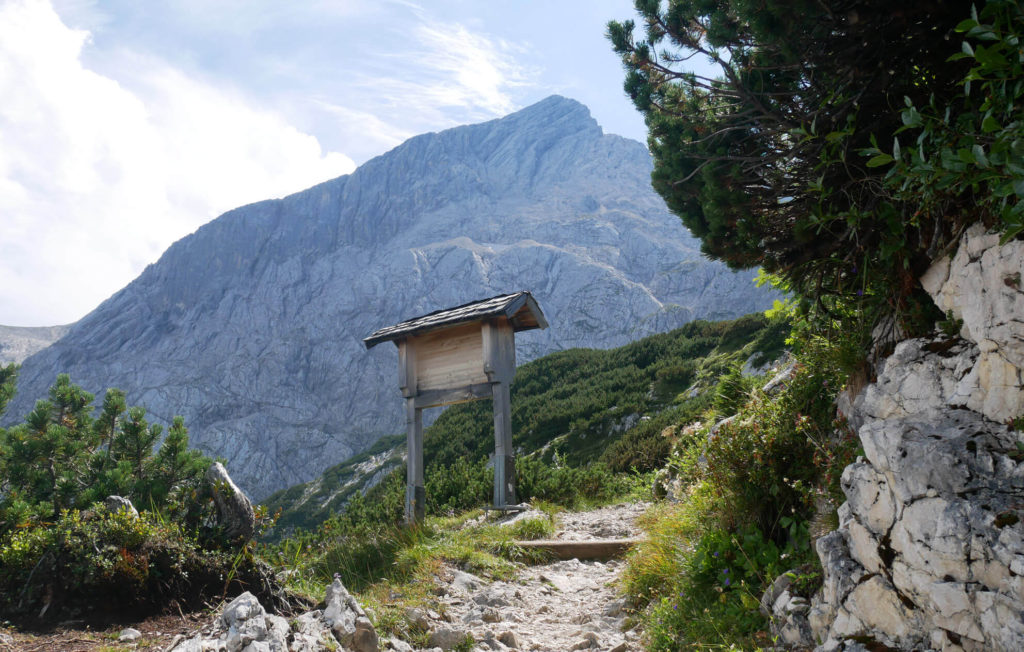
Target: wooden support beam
499 350
592 549
504 457
415 488
407 367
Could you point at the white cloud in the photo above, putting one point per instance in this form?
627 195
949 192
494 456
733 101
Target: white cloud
441 74
476 70
98 176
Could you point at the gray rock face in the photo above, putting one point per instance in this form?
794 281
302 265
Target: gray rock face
930 549
19 342
250 328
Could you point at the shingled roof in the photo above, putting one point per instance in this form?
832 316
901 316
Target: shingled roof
520 308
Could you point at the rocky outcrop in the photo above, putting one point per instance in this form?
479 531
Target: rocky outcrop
982 287
930 550
234 511
250 328
245 626
787 613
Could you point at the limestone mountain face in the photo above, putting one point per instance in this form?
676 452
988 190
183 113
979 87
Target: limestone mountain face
251 327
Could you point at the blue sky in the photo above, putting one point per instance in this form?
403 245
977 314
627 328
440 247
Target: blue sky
126 125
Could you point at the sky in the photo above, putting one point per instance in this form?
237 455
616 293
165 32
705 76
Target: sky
126 125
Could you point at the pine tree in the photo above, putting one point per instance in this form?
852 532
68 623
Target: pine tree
8 376
131 449
46 458
114 407
766 162
175 462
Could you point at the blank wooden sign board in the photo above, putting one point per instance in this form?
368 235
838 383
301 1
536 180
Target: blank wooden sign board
457 355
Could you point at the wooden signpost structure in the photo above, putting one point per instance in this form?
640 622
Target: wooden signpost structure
457 355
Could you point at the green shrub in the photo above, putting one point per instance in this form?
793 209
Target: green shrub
753 487
104 564
732 390
770 460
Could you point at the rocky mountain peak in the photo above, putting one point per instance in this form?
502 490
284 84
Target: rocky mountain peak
251 327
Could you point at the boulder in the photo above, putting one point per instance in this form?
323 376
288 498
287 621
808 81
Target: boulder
348 621
234 511
129 635
446 638
115 504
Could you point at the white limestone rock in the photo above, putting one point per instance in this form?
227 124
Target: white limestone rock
127 635
245 626
929 550
115 504
982 285
348 621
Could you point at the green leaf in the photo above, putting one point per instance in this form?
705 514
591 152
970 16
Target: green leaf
911 117
967 49
895 148
1011 233
990 124
979 156
880 160
965 25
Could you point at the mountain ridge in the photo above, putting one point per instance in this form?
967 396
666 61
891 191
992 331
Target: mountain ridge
251 327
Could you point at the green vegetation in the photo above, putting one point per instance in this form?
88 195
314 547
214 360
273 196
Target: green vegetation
579 416
311 503
754 489
842 148
62 552
62 458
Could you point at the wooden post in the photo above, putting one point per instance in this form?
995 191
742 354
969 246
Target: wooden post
415 489
499 364
504 460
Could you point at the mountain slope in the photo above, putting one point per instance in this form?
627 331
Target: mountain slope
19 342
251 327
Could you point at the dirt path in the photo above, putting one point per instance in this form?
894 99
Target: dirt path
556 607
